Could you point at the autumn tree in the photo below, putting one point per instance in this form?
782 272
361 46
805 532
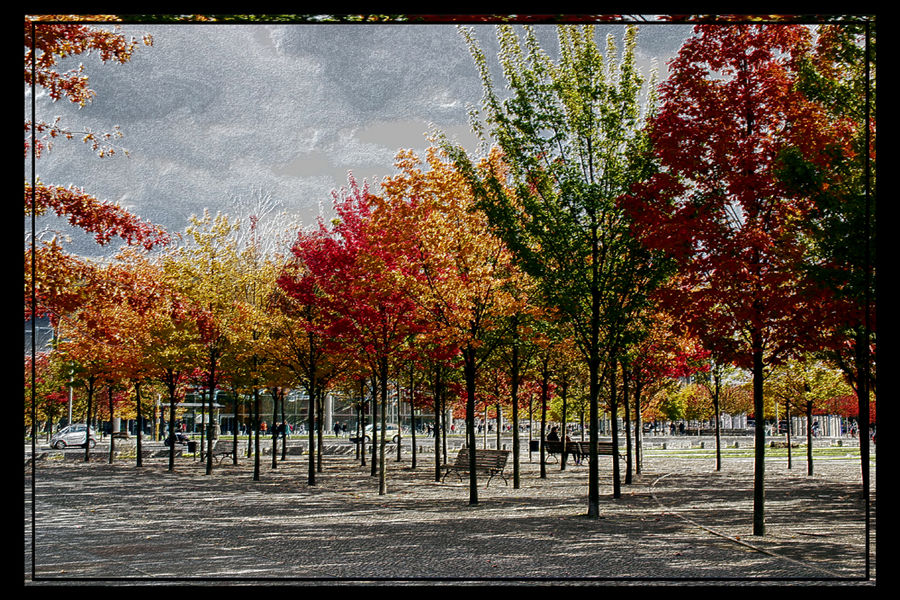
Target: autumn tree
51 391
90 342
458 272
252 323
837 172
53 277
570 132
205 272
134 286
518 350
718 381
303 327
49 270
350 270
661 351
808 384
718 207
165 335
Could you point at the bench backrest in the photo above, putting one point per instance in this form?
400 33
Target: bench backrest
483 458
556 446
603 448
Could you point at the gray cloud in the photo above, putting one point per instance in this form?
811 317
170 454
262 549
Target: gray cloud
211 111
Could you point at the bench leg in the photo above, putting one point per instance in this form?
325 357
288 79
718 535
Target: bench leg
448 471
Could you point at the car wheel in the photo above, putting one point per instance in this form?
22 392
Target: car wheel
60 445
92 443
396 439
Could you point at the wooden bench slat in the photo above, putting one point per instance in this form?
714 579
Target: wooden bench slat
218 453
580 449
491 462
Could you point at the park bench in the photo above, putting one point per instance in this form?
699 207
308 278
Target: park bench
490 462
219 453
603 449
579 450
554 448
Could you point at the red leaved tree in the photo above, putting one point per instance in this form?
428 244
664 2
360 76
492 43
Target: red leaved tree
718 207
352 270
52 276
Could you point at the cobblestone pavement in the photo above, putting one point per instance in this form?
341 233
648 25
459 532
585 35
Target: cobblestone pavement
679 522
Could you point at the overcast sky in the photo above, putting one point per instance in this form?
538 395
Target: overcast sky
218 114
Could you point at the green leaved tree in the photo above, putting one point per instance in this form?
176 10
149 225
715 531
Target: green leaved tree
571 133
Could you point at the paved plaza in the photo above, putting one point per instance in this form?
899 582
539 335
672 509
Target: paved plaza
678 523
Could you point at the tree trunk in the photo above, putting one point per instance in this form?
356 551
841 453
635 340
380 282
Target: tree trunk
437 423
112 439
256 435
787 417
234 428
469 370
564 388
498 423
311 419
87 419
809 439
593 369
627 409
515 402
382 475
250 421
210 424
275 428
374 471
171 386
862 394
759 494
399 433
716 390
140 422
638 429
614 410
543 456
412 413
202 427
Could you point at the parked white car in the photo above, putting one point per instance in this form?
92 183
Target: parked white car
73 435
390 432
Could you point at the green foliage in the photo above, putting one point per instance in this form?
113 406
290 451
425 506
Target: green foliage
571 134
